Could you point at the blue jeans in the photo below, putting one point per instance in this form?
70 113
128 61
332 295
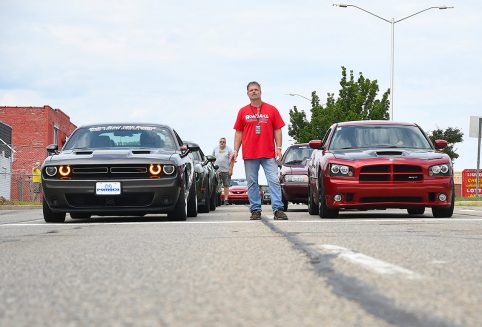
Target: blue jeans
270 167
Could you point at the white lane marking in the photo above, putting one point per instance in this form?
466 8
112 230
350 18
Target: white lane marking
468 210
370 263
438 262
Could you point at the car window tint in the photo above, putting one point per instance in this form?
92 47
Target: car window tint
122 136
296 154
238 182
389 136
196 156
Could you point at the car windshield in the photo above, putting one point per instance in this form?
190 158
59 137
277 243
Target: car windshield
297 154
238 182
378 136
121 136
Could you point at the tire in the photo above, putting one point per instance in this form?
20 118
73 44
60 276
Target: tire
438 212
50 216
180 210
312 207
79 215
416 211
207 198
192 201
323 210
213 200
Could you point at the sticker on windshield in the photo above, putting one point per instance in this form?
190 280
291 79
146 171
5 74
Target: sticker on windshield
122 128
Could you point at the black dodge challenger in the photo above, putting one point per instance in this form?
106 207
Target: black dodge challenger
119 169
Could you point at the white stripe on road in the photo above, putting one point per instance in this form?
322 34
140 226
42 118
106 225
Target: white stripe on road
367 262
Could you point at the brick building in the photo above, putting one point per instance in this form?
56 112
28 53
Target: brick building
33 128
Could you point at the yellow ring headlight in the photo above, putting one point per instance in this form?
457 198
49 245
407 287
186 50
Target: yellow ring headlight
64 171
155 170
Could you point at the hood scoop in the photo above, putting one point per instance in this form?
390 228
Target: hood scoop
141 152
389 153
84 152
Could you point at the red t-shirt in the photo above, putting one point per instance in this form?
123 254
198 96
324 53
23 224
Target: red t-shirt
258 145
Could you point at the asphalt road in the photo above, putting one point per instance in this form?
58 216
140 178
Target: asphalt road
373 268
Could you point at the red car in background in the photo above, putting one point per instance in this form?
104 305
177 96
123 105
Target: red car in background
293 176
378 165
238 191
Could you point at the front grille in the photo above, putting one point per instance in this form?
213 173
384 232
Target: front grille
388 173
106 172
375 178
375 169
97 201
89 170
407 169
377 199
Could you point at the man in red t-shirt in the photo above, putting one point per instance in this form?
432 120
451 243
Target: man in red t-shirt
258 128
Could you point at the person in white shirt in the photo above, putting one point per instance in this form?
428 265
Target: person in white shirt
222 153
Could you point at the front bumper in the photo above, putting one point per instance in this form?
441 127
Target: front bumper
375 195
295 192
137 195
238 198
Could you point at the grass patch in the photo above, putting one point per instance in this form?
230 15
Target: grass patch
474 198
5 202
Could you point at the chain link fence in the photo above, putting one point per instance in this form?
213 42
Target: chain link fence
16 173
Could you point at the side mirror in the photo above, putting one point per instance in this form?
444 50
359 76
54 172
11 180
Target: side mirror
193 148
440 144
52 149
316 144
211 158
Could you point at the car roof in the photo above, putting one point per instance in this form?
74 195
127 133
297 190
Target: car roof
373 122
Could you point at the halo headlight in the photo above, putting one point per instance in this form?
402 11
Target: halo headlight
335 169
51 171
155 169
169 169
65 171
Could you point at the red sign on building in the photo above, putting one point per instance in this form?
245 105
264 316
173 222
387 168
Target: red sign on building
469 183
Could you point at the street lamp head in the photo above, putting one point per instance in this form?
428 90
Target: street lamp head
444 7
341 5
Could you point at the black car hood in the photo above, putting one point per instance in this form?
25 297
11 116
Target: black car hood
103 155
358 154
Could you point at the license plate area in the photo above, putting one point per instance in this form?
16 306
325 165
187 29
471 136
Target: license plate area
107 188
298 179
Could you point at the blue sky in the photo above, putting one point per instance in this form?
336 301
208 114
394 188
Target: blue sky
186 63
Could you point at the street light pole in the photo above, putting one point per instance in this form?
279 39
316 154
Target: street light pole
299 95
392 22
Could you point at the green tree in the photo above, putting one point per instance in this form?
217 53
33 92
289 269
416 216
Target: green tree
356 101
452 136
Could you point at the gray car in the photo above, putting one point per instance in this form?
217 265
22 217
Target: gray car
119 169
